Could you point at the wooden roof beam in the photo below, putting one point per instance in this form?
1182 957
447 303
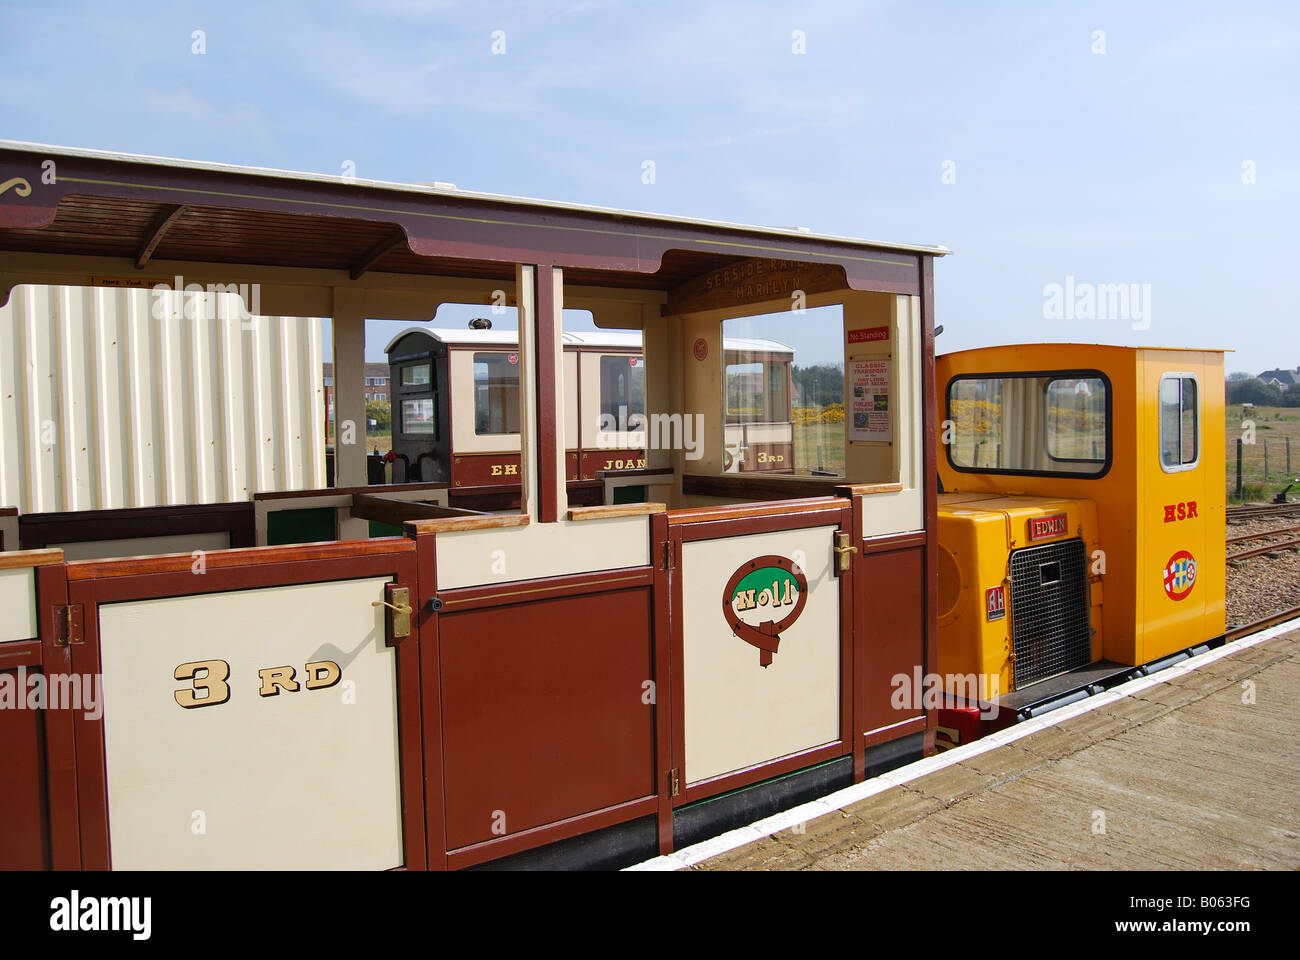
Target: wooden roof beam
372 256
163 222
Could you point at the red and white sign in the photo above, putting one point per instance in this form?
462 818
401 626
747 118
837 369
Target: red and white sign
1043 528
513 358
995 603
1180 575
701 348
869 335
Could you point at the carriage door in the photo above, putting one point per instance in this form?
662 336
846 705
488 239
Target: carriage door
761 641
257 709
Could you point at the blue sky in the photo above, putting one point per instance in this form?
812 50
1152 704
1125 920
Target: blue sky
1122 166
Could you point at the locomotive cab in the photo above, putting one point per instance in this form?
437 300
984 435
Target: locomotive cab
1080 534
421 408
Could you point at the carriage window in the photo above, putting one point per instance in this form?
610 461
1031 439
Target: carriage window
418 417
1179 424
1029 423
783 393
416 375
496 393
622 390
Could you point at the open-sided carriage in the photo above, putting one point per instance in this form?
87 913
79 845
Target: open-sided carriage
432 685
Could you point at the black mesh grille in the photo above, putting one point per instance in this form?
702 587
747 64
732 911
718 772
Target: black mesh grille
1049 611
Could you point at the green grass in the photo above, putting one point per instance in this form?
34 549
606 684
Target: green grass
1274 426
807 439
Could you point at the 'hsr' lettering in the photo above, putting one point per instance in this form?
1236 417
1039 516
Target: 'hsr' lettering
210 677
1180 511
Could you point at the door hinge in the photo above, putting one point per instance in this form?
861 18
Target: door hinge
674 782
668 558
67 625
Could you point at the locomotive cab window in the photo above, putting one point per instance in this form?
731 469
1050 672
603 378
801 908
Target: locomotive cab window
1180 433
496 393
1035 423
417 375
418 418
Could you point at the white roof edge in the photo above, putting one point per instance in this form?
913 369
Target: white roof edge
578 338
456 337
938 250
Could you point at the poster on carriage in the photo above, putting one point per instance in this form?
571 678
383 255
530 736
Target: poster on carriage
868 407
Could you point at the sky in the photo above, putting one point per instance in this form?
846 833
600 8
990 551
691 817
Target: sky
1081 145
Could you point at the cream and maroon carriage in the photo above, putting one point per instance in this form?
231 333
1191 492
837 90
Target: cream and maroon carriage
257 670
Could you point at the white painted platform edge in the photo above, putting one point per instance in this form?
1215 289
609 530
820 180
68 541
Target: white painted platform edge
840 799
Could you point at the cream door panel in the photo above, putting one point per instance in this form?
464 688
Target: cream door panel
18 604
297 780
739 713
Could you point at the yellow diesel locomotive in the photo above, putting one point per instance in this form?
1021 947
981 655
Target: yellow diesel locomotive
1080 522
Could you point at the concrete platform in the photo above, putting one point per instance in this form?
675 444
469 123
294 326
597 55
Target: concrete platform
1183 774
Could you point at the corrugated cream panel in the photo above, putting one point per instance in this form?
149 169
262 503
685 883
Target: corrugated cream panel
126 398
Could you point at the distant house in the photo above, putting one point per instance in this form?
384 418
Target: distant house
376 385
1282 378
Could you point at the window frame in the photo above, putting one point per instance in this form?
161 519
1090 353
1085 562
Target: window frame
1050 376
475 353
432 400
630 360
1180 376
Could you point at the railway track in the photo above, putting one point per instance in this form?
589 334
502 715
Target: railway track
1258 511
1267 548
1272 620
1272 581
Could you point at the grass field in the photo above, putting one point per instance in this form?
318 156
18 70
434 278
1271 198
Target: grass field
1273 426
829 437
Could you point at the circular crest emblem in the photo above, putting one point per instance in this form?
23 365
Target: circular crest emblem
761 599
513 358
701 348
1180 575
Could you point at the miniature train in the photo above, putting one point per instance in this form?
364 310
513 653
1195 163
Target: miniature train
576 664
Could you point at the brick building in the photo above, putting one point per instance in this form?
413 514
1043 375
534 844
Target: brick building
376 386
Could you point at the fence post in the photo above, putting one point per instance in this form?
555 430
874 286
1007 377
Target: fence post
1289 474
1239 490
1265 459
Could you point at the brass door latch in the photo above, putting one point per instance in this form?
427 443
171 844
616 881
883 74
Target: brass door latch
402 610
844 550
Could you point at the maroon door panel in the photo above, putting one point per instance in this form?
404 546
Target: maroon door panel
892 585
546 712
23 826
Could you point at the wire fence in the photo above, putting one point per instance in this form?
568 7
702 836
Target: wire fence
1262 467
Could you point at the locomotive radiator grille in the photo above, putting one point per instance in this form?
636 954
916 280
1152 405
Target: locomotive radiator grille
1050 629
